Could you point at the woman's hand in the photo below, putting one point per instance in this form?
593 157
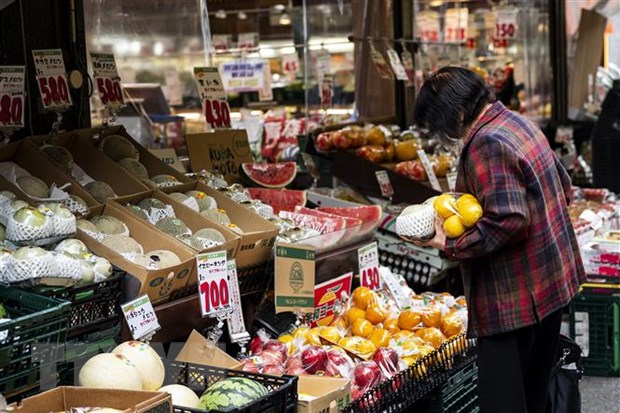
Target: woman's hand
438 241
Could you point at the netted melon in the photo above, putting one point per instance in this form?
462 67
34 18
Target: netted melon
134 167
164 258
123 244
101 191
109 225
137 211
173 226
60 156
118 147
33 186
205 202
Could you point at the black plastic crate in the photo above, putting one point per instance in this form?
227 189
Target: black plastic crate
408 387
31 339
94 307
599 336
459 394
282 396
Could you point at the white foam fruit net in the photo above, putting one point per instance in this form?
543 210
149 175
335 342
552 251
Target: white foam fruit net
418 223
37 267
66 266
75 207
96 235
63 226
21 231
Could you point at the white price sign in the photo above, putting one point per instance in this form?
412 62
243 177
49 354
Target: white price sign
385 185
141 317
456 24
451 177
213 283
397 65
12 96
266 93
214 104
427 23
382 67
407 59
506 23
290 65
235 322
430 172
221 42
368 259
595 220
52 79
247 40
107 80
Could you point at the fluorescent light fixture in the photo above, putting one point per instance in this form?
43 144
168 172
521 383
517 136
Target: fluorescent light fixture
284 20
279 7
135 47
158 48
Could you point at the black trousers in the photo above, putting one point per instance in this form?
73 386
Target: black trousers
514 368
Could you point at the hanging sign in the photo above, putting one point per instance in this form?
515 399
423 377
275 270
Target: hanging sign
407 59
266 93
456 24
214 104
235 322
12 100
221 42
506 23
174 88
327 90
141 317
368 260
213 286
380 64
427 23
107 80
329 298
322 65
243 75
52 79
294 278
290 65
430 172
247 41
385 185
397 65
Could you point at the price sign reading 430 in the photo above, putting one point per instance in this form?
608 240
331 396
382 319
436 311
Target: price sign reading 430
368 259
12 96
52 79
107 80
213 287
214 104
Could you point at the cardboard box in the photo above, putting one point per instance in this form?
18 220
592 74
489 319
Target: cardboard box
152 163
28 157
318 394
221 150
257 241
94 163
64 398
157 284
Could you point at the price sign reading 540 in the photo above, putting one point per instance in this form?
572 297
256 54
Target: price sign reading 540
213 284
368 259
52 79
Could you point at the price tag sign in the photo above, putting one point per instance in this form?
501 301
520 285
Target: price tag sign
451 177
430 172
368 259
382 67
427 23
107 80
266 93
247 41
214 104
213 285
595 220
385 185
141 317
235 322
506 23
52 79
327 90
397 65
12 96
407 59
221 42
456 24
290 65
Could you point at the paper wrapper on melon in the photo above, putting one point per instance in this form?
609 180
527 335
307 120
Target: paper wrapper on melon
416 222
351 225
331 230
370 215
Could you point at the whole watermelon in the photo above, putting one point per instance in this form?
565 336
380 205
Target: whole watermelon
231 393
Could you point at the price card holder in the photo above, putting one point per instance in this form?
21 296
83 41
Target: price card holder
213 284
397 65
294 278
12 101
107 81
141 317
451 177
430 172
385 185
235 321
380 64
52 79
368 259
214 104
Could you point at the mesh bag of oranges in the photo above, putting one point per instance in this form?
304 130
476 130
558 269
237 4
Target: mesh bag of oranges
458 212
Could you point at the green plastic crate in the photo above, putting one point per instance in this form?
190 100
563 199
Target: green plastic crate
595 325
459 394
32 337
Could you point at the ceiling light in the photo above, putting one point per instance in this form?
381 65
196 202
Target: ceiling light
242 15
158 48
220 14
284 20
279 7
436 3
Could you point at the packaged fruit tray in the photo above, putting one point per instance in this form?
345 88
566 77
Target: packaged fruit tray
30 334
409 386
94 307
281 396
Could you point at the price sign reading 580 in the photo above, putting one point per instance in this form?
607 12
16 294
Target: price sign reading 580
368 259
52 79
107 80
213 284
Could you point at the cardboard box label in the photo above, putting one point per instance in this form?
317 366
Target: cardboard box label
223 151
169 157
295 275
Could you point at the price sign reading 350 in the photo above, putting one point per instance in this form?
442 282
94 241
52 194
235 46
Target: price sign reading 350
12 96
52 79
213 287
211 90
107 80
368 259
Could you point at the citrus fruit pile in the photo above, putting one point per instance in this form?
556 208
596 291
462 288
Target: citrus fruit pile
459 213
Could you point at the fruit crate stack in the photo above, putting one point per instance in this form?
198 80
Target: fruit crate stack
595 326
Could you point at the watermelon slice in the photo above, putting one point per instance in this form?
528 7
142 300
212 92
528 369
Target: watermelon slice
279 199
331 229
352 225
369 214
270 175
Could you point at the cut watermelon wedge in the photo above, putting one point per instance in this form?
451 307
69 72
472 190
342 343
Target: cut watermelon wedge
369 214
279 199
352 225
331 229
270 175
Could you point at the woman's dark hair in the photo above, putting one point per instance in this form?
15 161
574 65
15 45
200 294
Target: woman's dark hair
450 100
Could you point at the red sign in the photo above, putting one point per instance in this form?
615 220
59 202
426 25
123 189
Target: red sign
329 295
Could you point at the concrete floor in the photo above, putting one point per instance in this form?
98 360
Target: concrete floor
600 394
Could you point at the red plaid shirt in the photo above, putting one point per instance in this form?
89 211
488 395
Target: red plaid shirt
521 261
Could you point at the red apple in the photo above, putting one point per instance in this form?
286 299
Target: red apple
314 359
367 374
271 357
323 142
387 360
339 364
273 369
277 346
256 345
250 365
